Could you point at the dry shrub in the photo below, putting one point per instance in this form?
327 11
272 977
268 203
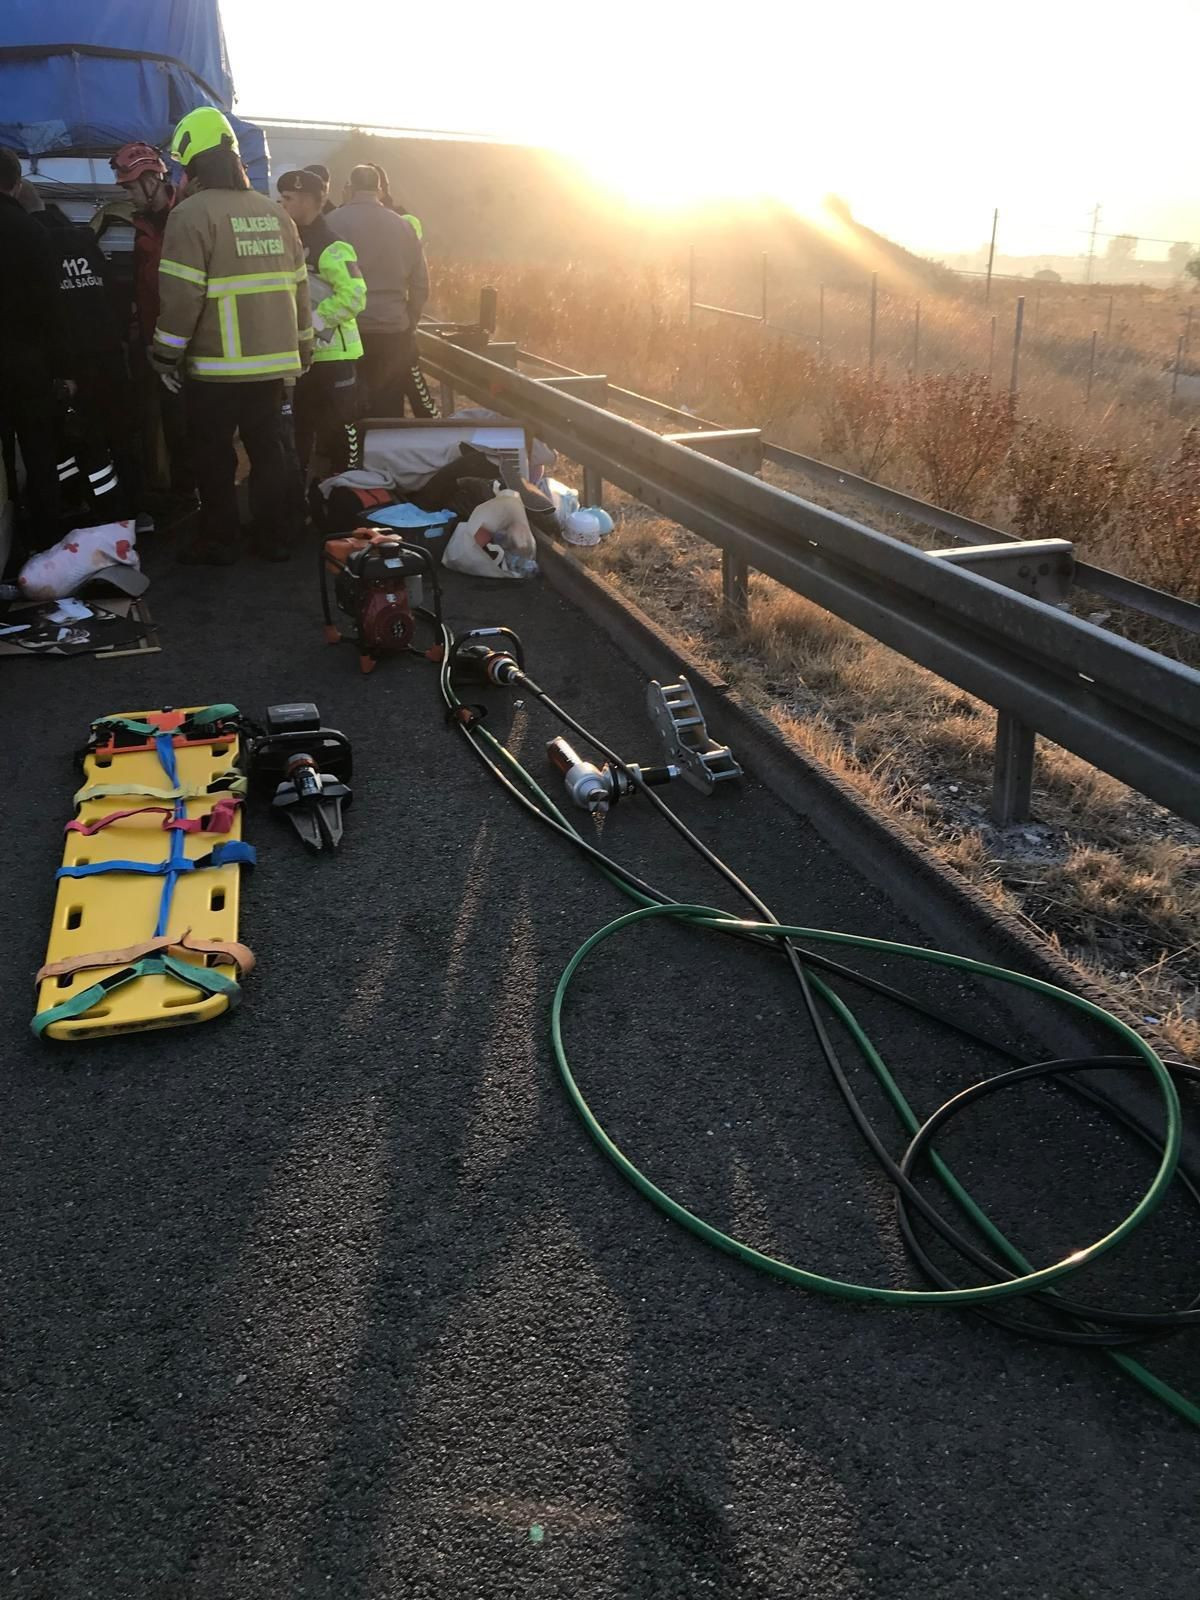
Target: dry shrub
1165 530
1062 489
858 424
954 434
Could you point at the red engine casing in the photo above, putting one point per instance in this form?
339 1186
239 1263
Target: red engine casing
385 623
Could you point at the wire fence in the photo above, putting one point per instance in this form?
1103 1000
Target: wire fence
1094 339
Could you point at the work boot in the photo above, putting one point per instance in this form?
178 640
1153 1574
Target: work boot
207 553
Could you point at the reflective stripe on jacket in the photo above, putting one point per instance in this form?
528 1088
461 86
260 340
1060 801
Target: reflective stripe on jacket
337 290
233 288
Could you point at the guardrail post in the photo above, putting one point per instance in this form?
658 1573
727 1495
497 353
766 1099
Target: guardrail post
1012 774
488 308
741 448
1043 569
735 583
592 387
504 352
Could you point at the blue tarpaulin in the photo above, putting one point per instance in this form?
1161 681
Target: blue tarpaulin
83 79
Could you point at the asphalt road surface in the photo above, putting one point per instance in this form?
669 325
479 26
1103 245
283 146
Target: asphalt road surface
335 1297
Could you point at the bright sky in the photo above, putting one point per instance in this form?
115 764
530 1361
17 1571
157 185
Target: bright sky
924 113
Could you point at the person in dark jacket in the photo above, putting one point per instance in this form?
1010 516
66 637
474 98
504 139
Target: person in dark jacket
321 172
393 263
97 463
141 171
32 355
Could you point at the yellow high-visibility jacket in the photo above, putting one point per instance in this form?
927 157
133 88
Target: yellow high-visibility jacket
233 289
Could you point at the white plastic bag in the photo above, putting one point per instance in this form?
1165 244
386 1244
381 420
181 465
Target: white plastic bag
495 542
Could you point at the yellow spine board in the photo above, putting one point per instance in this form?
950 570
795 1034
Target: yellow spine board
114 909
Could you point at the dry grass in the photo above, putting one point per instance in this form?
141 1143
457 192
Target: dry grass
1107 876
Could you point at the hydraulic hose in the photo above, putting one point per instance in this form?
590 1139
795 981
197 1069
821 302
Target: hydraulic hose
1007 1278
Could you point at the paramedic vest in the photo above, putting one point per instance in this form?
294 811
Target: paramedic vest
233 288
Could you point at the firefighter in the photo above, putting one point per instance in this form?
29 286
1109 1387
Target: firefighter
234 315
326 408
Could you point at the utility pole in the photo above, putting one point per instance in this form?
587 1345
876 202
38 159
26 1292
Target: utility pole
1092 241
987 293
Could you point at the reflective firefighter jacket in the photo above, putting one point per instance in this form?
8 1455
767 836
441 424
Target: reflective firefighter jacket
233 289
337 291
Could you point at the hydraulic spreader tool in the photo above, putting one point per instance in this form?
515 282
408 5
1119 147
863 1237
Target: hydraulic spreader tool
304 767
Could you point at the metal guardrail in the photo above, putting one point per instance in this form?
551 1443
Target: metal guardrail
1121 707
1139 597
1123 591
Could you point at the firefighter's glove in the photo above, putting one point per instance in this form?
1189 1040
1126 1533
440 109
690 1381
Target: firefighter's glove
167 368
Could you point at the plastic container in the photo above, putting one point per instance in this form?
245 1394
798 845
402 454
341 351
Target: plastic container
521 566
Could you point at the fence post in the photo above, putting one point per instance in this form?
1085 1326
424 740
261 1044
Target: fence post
916 361
691 283
1175 372
764 289
987 292
874 319
1012 773
1108 324
1016 360
1087 399
992 351
488 308
821 320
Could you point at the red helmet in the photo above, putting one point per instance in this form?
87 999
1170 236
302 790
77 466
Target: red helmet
131 160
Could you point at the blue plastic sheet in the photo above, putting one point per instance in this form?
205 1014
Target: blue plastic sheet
84 79
409 516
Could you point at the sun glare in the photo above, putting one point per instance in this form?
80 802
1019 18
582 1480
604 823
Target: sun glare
654 173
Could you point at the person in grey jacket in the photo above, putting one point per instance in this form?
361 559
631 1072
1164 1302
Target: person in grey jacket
393 263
